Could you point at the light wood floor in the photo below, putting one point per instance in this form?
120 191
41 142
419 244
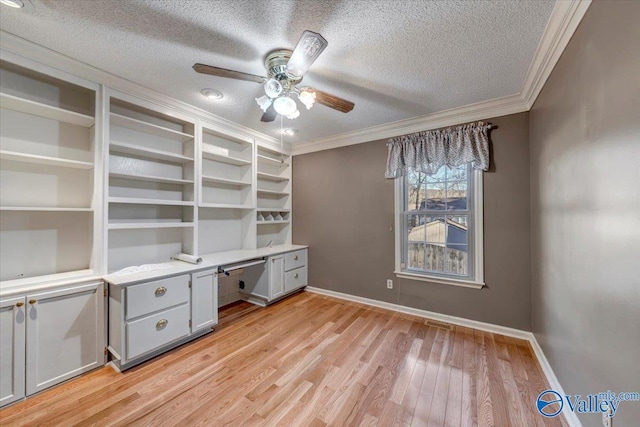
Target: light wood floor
310 360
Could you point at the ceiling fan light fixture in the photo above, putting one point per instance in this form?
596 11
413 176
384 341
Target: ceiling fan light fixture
264 102
285 106
272 88
309 47
294 115
307 97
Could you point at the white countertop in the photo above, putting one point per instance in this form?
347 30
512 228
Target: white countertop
41 284
208 261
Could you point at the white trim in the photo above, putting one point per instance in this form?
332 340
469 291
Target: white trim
460 321
564 20
492 108
570 417
441 280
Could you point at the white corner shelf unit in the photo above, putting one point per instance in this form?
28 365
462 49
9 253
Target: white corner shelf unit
48 183
151 183
273 190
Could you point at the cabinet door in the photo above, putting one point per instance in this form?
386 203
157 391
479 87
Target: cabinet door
12 346
204 300
65 334
276 277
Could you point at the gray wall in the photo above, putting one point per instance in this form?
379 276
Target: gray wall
585 197
343 207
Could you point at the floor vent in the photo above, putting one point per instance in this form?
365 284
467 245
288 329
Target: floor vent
439 325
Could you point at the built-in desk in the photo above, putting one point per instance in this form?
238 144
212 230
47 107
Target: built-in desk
151 312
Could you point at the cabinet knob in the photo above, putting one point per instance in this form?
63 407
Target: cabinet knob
295 257
161 323
295 275
161 291
32 301
19 304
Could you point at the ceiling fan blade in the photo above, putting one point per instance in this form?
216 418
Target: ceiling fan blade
309 47
333 101
269 115
230 74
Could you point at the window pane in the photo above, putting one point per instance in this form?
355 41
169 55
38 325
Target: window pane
435 257
415 191
457 259
457 230
415 259
458 173
439 176
416 228
456 195
436 195
435 230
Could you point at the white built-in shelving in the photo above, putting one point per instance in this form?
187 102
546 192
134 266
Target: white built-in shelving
47 175
273 190
151 183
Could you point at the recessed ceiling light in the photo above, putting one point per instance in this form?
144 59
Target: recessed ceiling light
209 93
290 132
17 4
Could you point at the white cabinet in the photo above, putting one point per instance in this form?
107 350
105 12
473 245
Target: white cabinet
204 300
65 334
276 276
150 317
282 274
12 347
49 337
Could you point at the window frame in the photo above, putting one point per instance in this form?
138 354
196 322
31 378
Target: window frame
475 240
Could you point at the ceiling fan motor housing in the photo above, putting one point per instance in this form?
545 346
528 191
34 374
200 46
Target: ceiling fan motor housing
276 65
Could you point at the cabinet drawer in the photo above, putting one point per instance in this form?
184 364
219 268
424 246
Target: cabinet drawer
295 259
149 333
157 295
295 279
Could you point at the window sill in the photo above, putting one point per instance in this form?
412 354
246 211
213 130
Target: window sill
440 280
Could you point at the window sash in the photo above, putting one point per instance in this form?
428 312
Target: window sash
469 212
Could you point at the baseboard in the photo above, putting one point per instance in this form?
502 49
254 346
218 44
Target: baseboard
475 324
569 416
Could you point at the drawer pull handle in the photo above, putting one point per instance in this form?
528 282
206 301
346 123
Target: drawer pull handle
161 291
32 301
19 304
295 257
161 323
295 275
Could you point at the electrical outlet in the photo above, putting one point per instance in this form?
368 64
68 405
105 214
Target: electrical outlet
607 421
389 284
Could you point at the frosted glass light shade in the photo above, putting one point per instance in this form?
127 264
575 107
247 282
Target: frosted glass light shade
285 106
307 97
264 102
294 115
272 88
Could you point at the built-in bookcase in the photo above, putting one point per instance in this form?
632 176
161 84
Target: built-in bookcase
273 213
47 174
151 184
227 192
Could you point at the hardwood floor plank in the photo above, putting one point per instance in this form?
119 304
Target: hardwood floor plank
309 360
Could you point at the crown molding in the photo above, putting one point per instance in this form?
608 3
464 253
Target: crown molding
563 22
493 108
39 54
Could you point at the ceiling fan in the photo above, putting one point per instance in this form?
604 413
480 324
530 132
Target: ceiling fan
285 69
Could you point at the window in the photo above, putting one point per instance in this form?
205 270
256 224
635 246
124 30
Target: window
439 226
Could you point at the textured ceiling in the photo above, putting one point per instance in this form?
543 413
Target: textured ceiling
394 59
